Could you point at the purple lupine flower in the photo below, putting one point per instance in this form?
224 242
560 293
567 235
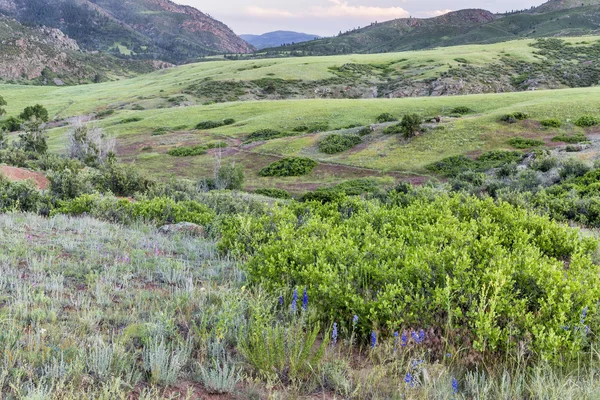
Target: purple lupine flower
583 315
294 300
408 379
305 300
396 336
404 339
421 336
415 336
355 320
448 355
373 339
334 333
281 300
454 385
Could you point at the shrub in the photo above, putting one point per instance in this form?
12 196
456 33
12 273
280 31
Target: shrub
188 151
34 139
230 177
228 121
551 123
209 124
2 104
408 127
586 121
524 143
301 128
461 60
130 120
336 143
274 193
105 113
522 278
265 134
544 164
577 138
461 110
121 179
13 124
89 144
19 196
573 168
318 127
452 166
159 131
385 117
393 130
37 112
365 130
514 117
290 166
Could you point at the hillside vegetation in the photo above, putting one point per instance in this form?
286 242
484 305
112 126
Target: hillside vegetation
555 18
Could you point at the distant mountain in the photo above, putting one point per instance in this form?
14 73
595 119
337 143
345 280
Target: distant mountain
554 18
145 29
47 56
277 38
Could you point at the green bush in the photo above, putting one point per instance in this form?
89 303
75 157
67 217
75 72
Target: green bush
12 124
385 117
574 139
365 130
228 121
37 112
573 168
290 166
586 121
159 131
159 210
408 127
188 151
275 193
353 187
514 117
544 164
551 123
265 134
21 196
318 127
130 120
520 142
405 267
461 110
454 165
105 113
336 143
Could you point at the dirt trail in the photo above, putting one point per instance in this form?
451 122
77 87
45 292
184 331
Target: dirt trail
21 174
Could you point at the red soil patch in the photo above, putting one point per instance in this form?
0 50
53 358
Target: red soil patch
20 174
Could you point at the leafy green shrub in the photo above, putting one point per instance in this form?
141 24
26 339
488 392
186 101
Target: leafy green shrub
159 131
121 179
573 148
12 124
336 143
265 134
289 166
137 107
573 168
452 166
355 258
551 123
574 139
364 131
301 128
461 60
228 121
520 142
230 177
353 187
130 120
105 113
393 130
408 127
159 210
461 110
21 196
544 164
514 117
216 145
586 121
275 193
37 112
187 151
385 117
318 127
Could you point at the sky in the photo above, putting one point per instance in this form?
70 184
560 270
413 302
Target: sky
328 17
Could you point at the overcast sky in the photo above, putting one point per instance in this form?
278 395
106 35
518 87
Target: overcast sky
328 17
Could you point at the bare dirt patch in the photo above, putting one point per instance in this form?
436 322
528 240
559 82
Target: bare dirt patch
21 174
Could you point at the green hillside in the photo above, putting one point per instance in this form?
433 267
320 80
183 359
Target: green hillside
557 18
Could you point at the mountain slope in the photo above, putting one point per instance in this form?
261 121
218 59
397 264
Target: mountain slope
48 56
148 29
277 38
555 18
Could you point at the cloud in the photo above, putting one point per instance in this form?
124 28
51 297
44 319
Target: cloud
337 9
268 12
340 8
435 13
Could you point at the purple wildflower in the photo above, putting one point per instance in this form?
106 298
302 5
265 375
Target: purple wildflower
404 339
583 315
355 320
334 333
408 379
373 339
305 299
281 300
294 300
454 385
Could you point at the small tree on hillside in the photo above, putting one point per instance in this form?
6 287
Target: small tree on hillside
410 125
88 143
34 137
37 112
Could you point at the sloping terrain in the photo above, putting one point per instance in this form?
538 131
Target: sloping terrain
277 38
147 29
555 18
47 56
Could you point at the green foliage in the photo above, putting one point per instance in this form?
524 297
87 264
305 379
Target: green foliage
586 121
573 139
158 211
462 110
461 60
364 131
230 177
36 112
510 285
520 142
12 124
454 165
188 151
551 123
409 126
2 104
514 117
130 120
544 164
215 124
19 196
336 143
353 187
573 168
34 139
385 117
289 166
105 113
265 134
275 193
